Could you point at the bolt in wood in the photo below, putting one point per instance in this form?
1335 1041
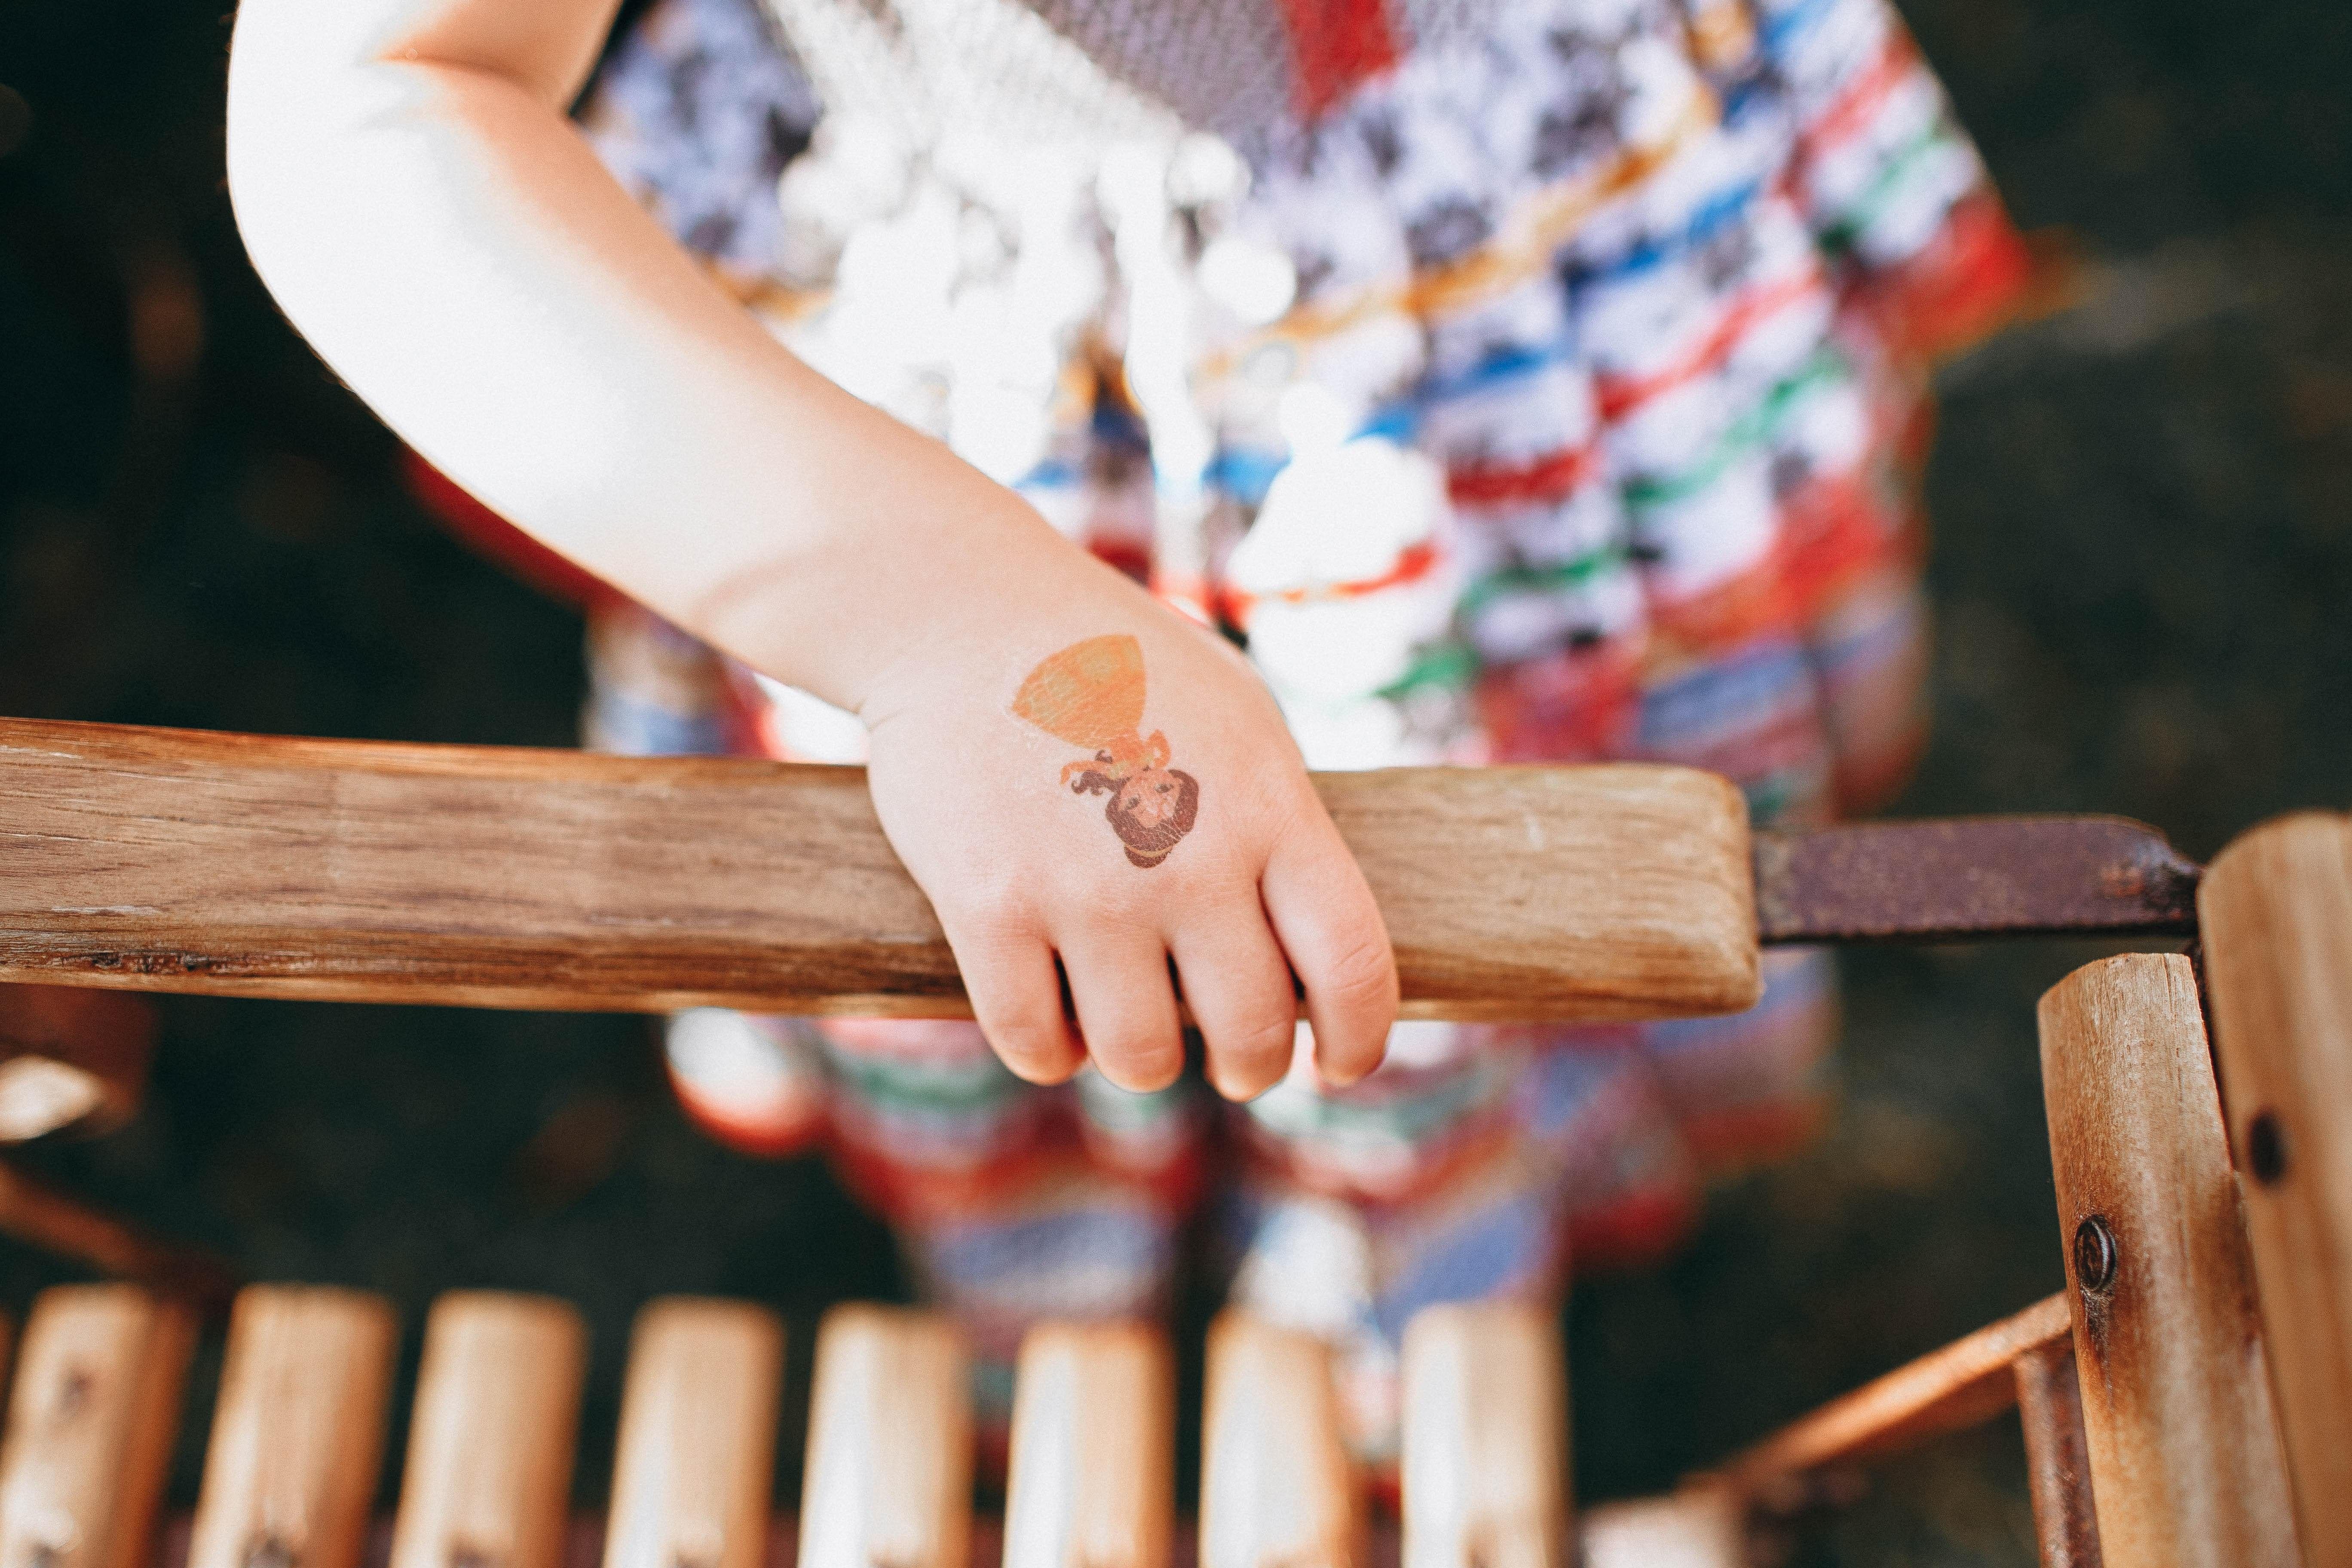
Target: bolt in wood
489 1477
2277 923
2185 1464
90 1423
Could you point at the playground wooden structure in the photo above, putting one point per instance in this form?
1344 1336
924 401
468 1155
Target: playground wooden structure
2186 1400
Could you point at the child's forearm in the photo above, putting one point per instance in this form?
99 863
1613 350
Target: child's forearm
414 198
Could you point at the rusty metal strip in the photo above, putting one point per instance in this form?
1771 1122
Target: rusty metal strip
1962 878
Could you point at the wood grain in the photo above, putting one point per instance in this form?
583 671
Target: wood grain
489 1477
2057 1456
2277 920
887 1478
184 860
1957 1386
90 1423
1484 1432
297 1430
1092 1478
2186 1469
1278 1490
696 1463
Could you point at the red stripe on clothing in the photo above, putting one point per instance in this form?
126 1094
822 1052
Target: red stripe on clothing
1861 98
1336 44
1546 478
1620 395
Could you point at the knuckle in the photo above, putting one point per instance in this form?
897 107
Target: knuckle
1361 976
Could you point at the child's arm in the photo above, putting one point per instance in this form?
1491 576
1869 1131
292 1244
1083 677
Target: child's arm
413 194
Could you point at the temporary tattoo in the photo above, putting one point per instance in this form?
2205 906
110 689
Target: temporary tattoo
1091 695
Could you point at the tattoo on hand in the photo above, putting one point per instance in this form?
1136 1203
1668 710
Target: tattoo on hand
1091 695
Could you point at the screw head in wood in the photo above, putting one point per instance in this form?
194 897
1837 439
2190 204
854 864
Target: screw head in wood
2094 1255
2265 1148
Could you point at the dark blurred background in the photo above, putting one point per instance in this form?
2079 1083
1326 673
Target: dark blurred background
2143 564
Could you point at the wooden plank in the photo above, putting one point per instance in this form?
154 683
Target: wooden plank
298 1431
2185 1463
2057 1456
1092 1478
696 1463
887 1478
2277 913
1278 1490
1700 1526
1484 1432
189 861
90 1425
489 1477
1961 1384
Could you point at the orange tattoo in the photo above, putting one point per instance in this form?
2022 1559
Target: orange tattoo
1091 695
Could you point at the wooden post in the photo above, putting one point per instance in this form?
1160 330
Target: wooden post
177 860
1092 1481
489 1477
2185 1462
2276 913
1485 1469
1276 1487
1700 1526
887 1479
2057 1456
691 1482
298 1432
90 1425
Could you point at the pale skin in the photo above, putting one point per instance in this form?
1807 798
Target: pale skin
415 198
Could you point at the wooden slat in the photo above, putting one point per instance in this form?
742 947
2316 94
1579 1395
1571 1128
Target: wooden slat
189 861
42 1216
1092 1478
90 1423
887 1478
488 1476
2277 914
2185 1463
1697 1527
696 1461
1485 1428
298 1432
1959 1385
1276 1487
2057 1456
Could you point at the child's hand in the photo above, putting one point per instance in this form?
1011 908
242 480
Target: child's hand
1118 791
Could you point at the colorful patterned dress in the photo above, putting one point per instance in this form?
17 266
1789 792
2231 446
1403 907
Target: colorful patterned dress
1536 381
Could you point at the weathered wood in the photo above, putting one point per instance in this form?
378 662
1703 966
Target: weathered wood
489 1476
70 1057
188 861
1092 1478
1961 1384
298 1432
698 1448
2185 1468
90 1425
2277 914
1698 1527
2057 1456
1484 1431
1276 1487
887 1478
